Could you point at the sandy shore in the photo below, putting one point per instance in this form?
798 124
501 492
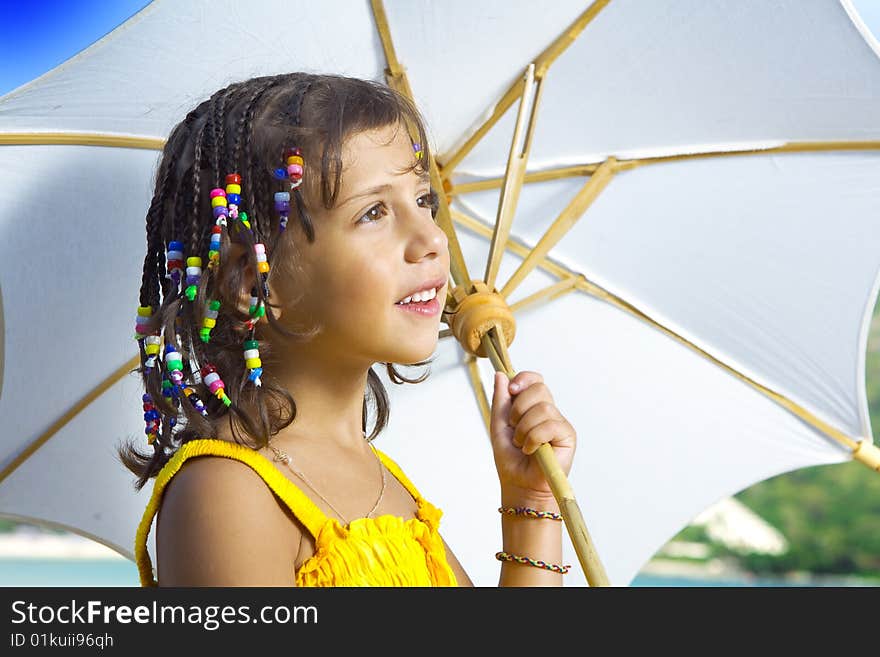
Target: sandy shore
717 569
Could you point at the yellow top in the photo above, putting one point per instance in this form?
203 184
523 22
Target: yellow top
382 551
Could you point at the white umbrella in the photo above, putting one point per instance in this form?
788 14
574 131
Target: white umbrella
713 167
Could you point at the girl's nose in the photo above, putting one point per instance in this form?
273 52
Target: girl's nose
424 236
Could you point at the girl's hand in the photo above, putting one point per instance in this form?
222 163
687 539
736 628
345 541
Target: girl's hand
522 420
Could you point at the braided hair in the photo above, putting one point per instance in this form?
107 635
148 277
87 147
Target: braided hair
244 128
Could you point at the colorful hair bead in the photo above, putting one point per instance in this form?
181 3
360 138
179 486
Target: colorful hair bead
193 276
257 308
215 383
294 166
282 207
152 346
151 418
233 182
174 365
214 247
219 206
174 260
168 388
141 328
195 400
252 361
262 266
244 220
417 148
210 320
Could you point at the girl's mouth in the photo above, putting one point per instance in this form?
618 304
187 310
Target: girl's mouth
424 308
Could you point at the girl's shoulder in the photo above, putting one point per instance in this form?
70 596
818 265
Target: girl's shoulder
219 523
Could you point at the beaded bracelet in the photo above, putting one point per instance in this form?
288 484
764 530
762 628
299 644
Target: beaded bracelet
537 563
532 513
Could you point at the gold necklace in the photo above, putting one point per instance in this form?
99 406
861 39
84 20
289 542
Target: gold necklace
288 461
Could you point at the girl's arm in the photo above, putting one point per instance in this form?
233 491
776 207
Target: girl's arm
524 417
535 538
220 525
461 577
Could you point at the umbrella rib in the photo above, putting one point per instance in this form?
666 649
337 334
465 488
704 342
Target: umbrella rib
479 390
547 294
80 139
563 223
542 63
395 75
516 168
68 416
862 449
580 170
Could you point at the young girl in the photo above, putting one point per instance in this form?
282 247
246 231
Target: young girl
291 245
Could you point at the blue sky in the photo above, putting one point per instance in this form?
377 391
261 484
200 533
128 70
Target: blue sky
38 35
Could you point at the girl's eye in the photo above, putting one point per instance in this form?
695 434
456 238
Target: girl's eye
428 201
374 213
432 201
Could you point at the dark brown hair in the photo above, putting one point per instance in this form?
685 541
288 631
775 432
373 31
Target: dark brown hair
245 128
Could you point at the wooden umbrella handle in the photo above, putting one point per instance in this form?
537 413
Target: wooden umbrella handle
571 515
559 484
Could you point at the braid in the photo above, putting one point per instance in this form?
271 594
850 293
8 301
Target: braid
149 276
298 101
304 218
215 138
221 138
245 135
158 246
244 121
195 223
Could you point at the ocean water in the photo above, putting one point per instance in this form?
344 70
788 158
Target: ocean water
123 573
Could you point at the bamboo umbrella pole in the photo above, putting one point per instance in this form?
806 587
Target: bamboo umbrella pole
559 484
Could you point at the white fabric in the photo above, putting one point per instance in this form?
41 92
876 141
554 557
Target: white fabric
769 263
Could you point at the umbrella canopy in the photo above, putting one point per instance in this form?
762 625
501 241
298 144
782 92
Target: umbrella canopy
691 261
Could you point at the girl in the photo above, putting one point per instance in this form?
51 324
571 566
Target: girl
291 238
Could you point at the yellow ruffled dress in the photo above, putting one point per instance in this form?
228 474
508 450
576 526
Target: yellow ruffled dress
382 551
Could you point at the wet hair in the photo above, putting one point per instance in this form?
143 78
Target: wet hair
245 128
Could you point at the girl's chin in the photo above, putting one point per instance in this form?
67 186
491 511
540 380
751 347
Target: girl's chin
416 353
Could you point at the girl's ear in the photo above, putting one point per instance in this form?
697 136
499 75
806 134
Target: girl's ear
248 282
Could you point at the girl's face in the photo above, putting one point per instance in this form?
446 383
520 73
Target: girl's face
378 245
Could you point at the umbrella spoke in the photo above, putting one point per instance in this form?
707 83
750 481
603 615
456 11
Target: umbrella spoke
549 293
563 223
80 139
516 168
580 170
479 390
542 64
